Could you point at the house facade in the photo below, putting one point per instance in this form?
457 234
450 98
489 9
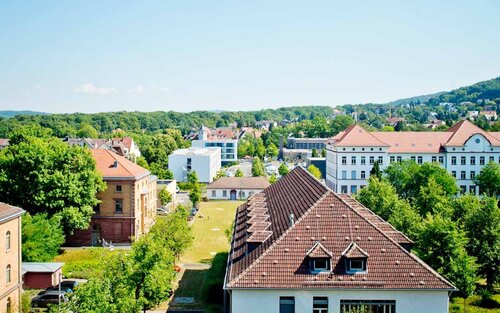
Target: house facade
128 205
463 150
299 247
10 258
206 162
236 188
41 275
225 139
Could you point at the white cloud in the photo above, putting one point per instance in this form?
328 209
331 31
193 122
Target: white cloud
92 89
138 89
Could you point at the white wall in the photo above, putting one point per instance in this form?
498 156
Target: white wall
205 165
219 193
251 301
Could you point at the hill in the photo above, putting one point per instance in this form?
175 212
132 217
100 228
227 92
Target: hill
12 113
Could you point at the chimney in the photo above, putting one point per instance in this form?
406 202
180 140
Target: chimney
291 219
115 164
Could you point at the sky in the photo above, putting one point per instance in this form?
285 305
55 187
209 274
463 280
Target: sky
96 56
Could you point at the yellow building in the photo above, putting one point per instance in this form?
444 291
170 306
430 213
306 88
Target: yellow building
10 258
128 205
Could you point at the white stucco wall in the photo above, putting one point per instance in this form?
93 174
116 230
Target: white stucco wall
219 193
251 301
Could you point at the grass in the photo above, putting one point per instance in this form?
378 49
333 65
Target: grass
208 228
83 263
474 305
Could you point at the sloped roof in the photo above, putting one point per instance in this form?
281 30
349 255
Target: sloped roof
463 130
320 216
355 136
239 183
105 160
413 142
8 212
318 251
354 251
41 267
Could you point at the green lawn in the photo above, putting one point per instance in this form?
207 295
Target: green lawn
209 231
457 305
83 263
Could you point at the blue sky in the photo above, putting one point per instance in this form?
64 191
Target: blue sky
93 56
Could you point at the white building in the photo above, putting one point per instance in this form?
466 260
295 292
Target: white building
224 139
236 188
463 150
206 162
299 247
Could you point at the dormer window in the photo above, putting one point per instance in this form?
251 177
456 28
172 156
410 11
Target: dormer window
357 265
320 265
355 259
319 258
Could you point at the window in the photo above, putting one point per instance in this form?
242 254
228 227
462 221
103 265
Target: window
472 190
353 160
434 158
353 174
472 160
492 159
119 206
321 265
463 188
7 241
375 306
363 160
357 265
214 193
224 193
344 160
343 189
380 160
399 158
354 188
462 175
320 304
454 174
363 174
241 194
9 305
441 159
472 174
462 160
481 160
454 160
118 188
392 159
7 274
372 160
344 174
287 304
420 159
413 158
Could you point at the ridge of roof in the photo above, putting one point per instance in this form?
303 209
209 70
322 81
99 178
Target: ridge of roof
463 130
354 247
355 139
126 168
319 246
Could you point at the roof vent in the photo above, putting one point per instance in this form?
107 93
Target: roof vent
115 164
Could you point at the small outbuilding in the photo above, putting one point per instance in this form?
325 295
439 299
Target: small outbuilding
41 275
236 188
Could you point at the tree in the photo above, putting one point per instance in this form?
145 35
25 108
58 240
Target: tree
93 296
87 131
164 196
488 179
375 171
314 171
192 178
41 237
283 169
49 176
174 231
399 174
273 179
314 153
258 168
272 151
238 173
323 153
433 199
483 228
195 195
463 274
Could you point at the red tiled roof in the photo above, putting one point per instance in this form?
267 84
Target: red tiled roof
318 251
4 142
105 160
8 211
356 135
280 257
354 251
463 130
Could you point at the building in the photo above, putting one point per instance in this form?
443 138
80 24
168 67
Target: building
41 275
226 139
206 162
125 146
490 115
128 205
236 188
10 258
293 155
170 185
320 163
463 150
4 143
299 247
307 143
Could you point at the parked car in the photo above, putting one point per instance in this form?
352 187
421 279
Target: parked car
56 288
49 297
71 284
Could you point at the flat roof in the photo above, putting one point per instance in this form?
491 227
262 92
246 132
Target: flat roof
197 151
41 267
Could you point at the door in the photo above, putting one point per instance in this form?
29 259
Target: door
96 235
232 195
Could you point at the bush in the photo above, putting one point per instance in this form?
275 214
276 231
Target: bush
84 263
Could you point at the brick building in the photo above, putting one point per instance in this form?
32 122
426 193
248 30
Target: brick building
10 258
128 205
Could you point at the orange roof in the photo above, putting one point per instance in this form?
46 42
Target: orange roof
463 130
105 164
357 136
413 142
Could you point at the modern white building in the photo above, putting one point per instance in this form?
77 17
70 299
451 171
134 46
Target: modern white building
298 247
206 162
236 188
463 150
225 139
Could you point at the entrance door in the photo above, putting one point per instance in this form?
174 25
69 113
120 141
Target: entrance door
96 234
232 195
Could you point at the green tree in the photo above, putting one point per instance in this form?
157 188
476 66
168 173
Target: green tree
87 131
93 296
283 169
272 151
483 228
258 168
375 171
314 171
49 176
399 174
488 179
273 179
195 195
432 198
41 237
164 196
463 274
323 153
260 149
238 173
174 231
192 178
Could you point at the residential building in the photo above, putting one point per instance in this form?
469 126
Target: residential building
226 139
299 247
490 115
464 149
236 188
307 143
171 186
265 124
206 162
128 205
293 155
41 275
393 121
4 143
125 146
10 258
